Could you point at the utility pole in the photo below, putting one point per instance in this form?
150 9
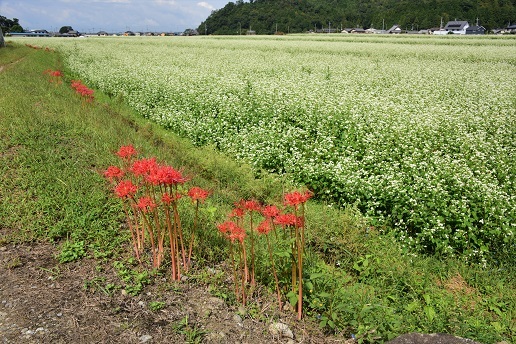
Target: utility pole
329 27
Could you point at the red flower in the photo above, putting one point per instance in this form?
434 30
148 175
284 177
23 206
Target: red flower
264 227
113 172
76 84
225 228
167 198
144 166
146 203
252 205
237 233
232 231
295 198
198 194
171 176
287 220
126 152
125 188
270 211
237 212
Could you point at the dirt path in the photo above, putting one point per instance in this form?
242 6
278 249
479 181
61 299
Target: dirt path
10 64
42 301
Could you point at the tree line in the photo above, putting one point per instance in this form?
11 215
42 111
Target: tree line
295 16
10 25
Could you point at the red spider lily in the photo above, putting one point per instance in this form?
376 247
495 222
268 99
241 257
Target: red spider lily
113 172
126 152
143 166
286 220
237 212
167 198
125 188
238 233
296 198
232 231
166 175
225 227
198 194
76 84
252 205
55 75
82 90
264 227
270 211
146 203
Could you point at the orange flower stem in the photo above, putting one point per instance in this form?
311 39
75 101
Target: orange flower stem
177 222
151 237
274 273
253 282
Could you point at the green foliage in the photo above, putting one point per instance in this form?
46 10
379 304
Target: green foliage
133 279
71 251
65 29
10 25
156 305
192 334
293 16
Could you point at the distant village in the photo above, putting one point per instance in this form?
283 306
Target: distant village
455 27
74 33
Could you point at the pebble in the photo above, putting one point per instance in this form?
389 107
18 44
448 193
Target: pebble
281 330
238 319
145 338
215 338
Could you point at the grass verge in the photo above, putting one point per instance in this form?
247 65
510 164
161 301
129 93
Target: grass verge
54 148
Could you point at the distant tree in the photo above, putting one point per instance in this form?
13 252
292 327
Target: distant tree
65 29
10 25
303 15
16 28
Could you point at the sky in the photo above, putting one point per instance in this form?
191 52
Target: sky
110 15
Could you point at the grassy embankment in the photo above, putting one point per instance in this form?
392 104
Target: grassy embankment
54 148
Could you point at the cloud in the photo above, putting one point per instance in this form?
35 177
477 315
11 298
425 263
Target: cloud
165 2
205 5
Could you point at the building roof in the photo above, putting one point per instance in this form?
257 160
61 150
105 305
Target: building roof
394 28
456 25
476 28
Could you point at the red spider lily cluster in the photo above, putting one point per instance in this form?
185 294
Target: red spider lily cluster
150 193
260 221
55 76
39 48
83 90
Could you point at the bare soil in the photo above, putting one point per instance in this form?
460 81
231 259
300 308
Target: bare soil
43 301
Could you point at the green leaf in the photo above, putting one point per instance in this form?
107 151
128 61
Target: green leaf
412 306
292 298
429 312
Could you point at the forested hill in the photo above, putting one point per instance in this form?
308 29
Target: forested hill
269 16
